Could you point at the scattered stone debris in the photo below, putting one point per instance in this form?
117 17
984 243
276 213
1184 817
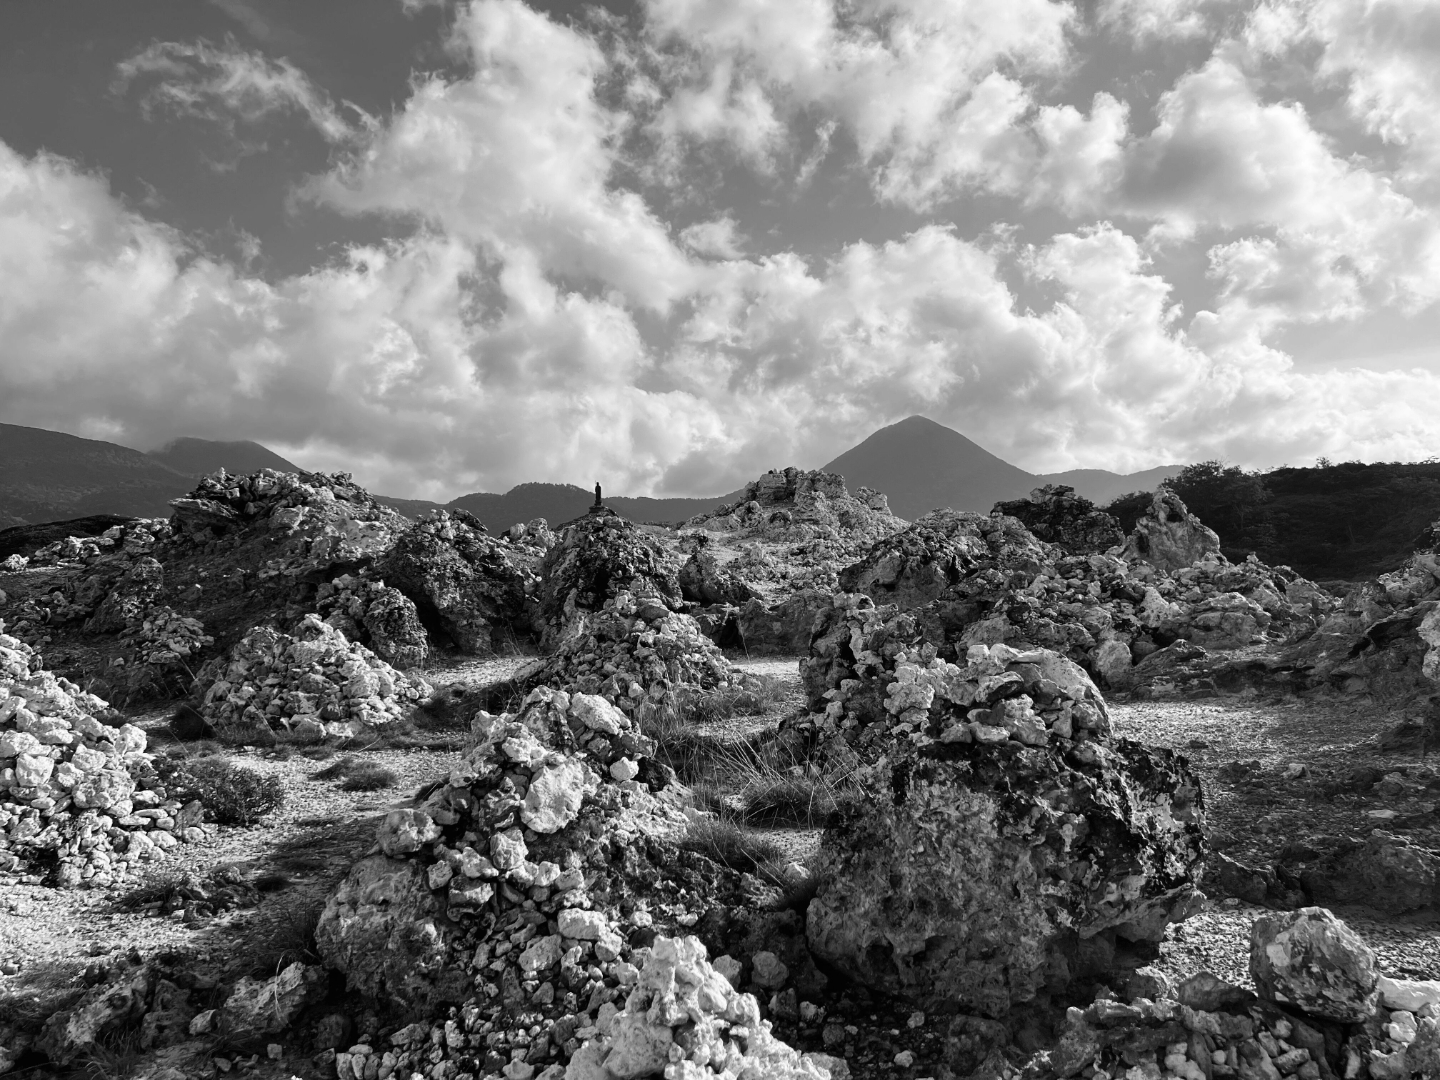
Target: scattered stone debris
370 612
75 794
314 681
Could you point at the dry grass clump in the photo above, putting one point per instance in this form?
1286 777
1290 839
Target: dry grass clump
356 774
731 844
230 793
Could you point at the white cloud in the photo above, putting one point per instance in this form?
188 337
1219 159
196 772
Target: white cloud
718 238
232 88
918 84
517 157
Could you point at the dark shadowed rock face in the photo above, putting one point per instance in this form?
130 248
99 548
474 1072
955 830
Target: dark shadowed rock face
597 558
705 580
1384 871
782 630
982 876
1055 514
472 586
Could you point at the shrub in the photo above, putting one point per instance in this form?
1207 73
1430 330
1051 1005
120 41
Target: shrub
231 794
370 777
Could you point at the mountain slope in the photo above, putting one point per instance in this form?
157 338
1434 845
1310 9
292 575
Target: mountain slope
920 465
49 476
200 457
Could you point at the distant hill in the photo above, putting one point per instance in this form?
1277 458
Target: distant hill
557 503
201 457
920 465
49 476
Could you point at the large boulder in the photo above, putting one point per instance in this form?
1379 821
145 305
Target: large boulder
383 619
1168 536
1055 514
783 629
472 587
981 875
1311 961
1384 870
704 579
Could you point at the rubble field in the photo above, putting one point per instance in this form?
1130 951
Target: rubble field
293 786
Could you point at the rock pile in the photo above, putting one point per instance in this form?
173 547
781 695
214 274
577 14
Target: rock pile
474 588
683 1019
975 579
598 557
637 653
313 681
74 792
1056 515
522 892
1323 1010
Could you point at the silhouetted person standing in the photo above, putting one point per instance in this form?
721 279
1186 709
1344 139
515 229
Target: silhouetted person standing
597 494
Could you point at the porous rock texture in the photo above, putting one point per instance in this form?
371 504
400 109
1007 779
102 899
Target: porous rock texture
684 1021
76 795
1311 960
373 614
1056 515
477 589
314 679
1168 537
596 558
1006 848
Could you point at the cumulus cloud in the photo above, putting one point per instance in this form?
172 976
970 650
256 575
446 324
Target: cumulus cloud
917 84
517 157
540 314
232 88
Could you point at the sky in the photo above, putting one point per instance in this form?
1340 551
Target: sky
455 245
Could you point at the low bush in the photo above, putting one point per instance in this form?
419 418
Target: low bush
355 774
230 793
730 844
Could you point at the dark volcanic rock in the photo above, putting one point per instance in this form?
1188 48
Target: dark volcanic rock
981 876
1055 514
782 630
470 585
1384 870
1312 961
704 580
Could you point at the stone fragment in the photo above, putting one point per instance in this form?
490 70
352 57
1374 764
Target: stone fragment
1311 960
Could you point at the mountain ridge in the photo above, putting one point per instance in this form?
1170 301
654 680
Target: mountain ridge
48 476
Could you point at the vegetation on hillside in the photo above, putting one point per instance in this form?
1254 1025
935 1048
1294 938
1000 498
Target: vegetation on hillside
1332 521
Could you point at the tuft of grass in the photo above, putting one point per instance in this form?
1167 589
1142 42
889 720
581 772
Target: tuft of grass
798 801
370 777
355 774
731 844
290 935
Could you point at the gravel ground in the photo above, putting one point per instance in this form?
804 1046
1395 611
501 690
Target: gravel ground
1252 819
48 936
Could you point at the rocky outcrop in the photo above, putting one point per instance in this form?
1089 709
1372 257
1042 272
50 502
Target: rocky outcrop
314 680
1056 515
1169 537
77 797
784 629
1383 870
981 866
472 587
705 580
382 619
596 559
